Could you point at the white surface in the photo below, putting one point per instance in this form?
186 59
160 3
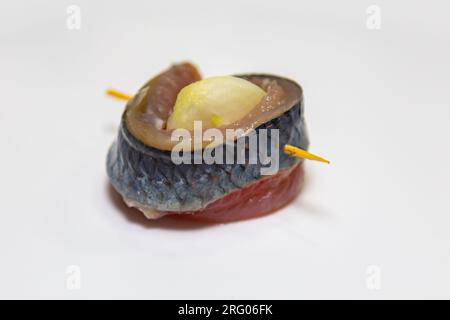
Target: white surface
377 105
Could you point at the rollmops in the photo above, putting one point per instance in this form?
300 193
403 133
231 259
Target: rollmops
140 162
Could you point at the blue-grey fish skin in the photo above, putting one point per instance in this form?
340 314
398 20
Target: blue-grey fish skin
147 176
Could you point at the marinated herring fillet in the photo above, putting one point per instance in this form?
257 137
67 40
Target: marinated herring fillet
139 162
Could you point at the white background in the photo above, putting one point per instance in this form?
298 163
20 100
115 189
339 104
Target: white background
377 105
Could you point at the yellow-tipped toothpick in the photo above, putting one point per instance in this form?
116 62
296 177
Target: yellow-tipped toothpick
288 149
294 151
118 94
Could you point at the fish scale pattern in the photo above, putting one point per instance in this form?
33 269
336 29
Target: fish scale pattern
148 176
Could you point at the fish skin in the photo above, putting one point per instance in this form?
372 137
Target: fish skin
147 175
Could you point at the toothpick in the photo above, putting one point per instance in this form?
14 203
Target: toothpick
118 94
300 153
288 149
